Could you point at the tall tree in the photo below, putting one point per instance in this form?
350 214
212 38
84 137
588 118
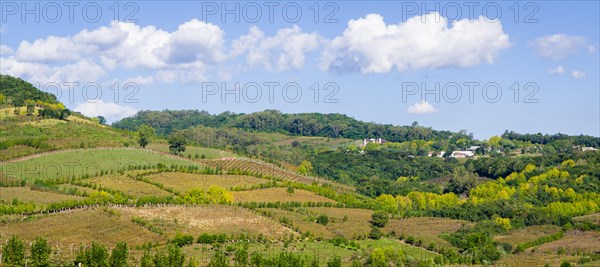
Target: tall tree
145 134
14 252
177 143
40 252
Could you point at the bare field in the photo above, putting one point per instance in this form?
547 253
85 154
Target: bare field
278 194
428 229
80 226
300 223
535 259
206 219
347 222
574 241
527 234
183 182
592 218
25 194
128 186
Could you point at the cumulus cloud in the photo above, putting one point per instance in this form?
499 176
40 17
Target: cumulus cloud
369 45
559 46
286 50
92 53
194 40
577 74
110 110
558 70
79 71
422 107
6 50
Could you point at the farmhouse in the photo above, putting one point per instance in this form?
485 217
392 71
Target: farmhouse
462 154
373 140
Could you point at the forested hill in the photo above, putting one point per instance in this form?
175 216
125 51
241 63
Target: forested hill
15 91
305 124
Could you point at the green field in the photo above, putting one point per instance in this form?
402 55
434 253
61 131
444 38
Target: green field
410 250
192 151
68 164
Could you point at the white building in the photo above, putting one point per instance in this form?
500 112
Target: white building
462 154
373 140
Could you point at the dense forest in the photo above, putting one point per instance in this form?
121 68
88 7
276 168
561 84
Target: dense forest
304 124
15 91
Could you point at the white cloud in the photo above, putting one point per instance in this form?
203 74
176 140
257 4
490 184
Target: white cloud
110 110
194 41
577 74
51 49
369 45
140 80
6 51
80 71
286 50
559 46
422 107
558 70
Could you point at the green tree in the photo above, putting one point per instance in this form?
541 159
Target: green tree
146 260
241 257
40 252
256 259
219 259
118 256
175 256
101 120
64 114
145 134
177 143
375 233
335 261
305 168
377 258
30 109
14 252
379 218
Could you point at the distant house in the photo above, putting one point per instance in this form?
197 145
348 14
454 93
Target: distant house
589 149
373 140
441 154
462 154
473 148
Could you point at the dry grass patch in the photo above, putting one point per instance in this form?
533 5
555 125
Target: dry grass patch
25 194
128 186
182 182
211 219
348 223
527 234
534 259
80 226
592 218
428 229
278 194
574 241
300 222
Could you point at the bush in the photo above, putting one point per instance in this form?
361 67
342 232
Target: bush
182 239
323 219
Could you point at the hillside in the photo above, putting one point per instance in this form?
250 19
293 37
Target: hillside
15 92
220 192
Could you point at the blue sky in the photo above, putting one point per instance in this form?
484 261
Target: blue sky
369 60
